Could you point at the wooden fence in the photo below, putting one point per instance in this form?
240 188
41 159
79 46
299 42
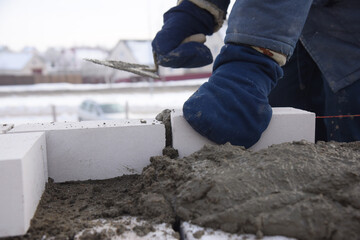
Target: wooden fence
33 79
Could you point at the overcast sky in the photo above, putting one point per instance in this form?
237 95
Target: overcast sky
44 23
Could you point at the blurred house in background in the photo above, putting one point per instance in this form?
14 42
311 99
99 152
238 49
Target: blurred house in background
26 62
68 65
132 51
19 67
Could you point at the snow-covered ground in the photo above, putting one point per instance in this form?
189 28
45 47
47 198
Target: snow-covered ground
35 103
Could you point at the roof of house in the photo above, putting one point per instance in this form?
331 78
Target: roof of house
142 51
14 61
84 52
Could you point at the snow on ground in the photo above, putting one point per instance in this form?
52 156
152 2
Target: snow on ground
68 86
30 108
194 232
110 230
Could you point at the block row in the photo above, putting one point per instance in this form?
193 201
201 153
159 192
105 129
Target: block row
286 125
98 149
23 174
31 153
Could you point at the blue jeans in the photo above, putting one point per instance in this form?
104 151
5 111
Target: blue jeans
303 87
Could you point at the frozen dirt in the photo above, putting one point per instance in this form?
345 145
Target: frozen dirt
299 190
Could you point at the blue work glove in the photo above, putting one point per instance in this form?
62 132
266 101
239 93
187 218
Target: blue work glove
233 105
181 22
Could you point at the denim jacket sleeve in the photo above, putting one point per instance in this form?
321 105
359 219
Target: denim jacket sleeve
329 30
275 25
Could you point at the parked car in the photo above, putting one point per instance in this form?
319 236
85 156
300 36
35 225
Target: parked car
91 110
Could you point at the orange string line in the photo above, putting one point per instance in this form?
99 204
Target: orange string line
339 116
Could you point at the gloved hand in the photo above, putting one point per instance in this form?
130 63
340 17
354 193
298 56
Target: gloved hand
233 106
181 22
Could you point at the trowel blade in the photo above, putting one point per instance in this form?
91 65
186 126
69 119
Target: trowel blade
142 70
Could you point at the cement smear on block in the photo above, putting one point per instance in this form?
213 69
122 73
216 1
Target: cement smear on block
299 190
165 118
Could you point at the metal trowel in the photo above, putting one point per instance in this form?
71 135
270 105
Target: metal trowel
139 69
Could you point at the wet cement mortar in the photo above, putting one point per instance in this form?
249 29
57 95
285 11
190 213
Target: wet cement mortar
300 190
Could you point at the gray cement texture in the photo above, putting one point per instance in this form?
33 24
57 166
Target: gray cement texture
300 190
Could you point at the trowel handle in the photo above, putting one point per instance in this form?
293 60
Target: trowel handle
201 38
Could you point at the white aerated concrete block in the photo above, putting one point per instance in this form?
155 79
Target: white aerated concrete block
193 232
23 174
4 128
185 139
286 125
99 149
